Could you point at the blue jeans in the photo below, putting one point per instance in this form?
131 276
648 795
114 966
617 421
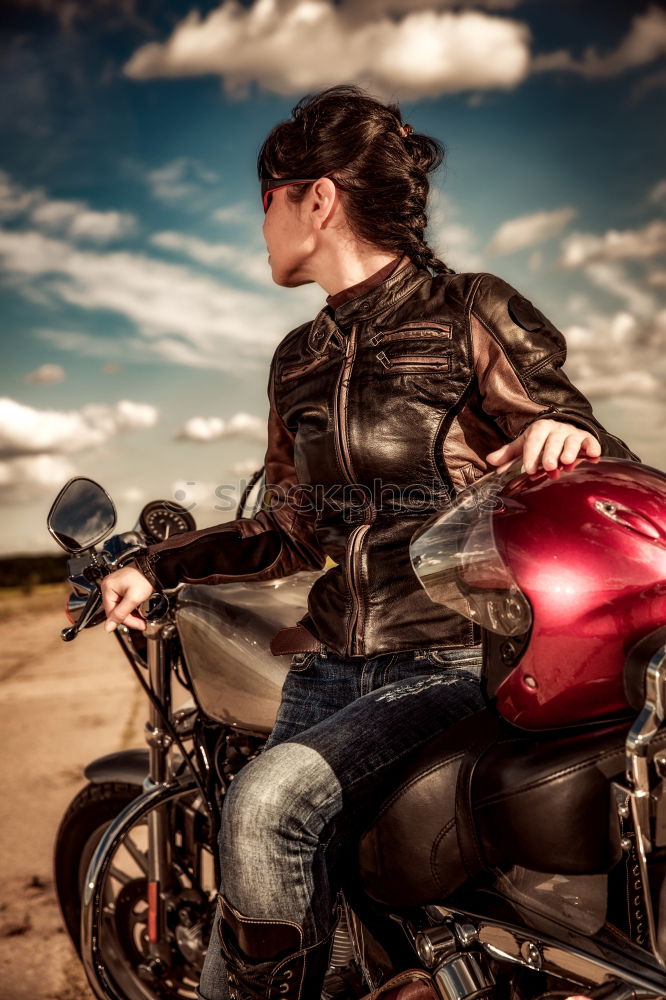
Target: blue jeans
341 727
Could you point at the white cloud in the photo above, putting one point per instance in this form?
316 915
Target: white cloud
645 42
213 428
131 494
24 430
253 266
617 360
615 244
247 467
232 213
134 416
455 243
613 278
91 346
14 199
380 8
205 496
24 478
618 355
604 259
201 429
658 192
46 374
55 214
292 46
179 180
459 247
28 431
625 383
73 219
180 316
101 227
657 278
529 230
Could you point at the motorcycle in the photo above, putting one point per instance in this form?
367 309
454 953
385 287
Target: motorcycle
508 862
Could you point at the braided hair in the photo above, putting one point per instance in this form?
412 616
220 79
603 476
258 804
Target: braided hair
343 132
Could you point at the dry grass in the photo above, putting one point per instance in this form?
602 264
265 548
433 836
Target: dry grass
43 597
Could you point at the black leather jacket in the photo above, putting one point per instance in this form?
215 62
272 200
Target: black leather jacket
395 397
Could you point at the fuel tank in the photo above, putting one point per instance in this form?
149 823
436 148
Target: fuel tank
225 632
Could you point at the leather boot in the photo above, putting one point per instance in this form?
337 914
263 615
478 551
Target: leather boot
265 959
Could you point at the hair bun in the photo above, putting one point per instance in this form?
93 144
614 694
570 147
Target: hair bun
345 133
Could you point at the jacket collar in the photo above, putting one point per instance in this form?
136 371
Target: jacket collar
329 322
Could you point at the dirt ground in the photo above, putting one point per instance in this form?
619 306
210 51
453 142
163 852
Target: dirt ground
61 705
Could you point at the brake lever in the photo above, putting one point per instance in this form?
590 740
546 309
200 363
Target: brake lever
89 611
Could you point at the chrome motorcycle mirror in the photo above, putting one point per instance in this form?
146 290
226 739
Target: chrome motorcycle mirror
81 515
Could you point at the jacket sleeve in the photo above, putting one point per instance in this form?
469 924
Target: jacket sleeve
279 540
518 356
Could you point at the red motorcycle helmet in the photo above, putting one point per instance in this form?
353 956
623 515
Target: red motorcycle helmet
566 571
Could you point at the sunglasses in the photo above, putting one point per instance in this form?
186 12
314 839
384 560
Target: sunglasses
270 184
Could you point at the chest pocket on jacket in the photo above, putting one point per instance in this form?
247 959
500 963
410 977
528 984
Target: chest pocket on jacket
414 347
303 367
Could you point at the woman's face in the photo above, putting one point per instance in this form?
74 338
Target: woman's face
289 239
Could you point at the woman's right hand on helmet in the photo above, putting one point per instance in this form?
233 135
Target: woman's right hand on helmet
122 592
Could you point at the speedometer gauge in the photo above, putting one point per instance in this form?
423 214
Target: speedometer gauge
161 519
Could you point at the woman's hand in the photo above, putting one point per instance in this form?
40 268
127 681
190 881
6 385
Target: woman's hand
122 592
552 441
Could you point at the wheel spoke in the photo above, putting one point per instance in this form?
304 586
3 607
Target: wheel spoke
120 876
137 855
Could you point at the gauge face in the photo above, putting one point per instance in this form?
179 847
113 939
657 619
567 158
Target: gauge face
163 518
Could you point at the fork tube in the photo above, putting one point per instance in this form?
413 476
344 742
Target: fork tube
158 741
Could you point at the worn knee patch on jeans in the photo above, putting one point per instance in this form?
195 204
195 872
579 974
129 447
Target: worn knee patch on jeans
275 812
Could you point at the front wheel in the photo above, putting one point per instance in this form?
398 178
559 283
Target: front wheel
123 912
81 828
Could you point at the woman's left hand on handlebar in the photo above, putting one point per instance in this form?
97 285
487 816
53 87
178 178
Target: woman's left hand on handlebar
551 441
122 592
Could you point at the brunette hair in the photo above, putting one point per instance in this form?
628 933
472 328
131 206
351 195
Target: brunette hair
343 132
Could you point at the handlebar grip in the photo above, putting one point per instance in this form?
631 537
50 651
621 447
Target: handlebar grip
154 608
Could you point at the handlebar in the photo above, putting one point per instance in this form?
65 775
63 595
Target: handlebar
153 609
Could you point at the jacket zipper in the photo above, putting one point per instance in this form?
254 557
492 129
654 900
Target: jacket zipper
433 361
293 371
354 634
354 640
417 332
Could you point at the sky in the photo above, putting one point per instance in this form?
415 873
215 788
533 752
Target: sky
138 312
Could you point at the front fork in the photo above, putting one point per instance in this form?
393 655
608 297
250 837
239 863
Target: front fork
159 775
162 789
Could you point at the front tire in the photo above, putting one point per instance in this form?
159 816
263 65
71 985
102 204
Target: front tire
123 950
81 828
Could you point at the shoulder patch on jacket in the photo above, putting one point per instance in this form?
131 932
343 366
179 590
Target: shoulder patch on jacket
525 314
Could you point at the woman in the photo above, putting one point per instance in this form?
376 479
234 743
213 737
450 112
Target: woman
408 386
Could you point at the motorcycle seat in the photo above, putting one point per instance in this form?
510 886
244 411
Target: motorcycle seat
485 795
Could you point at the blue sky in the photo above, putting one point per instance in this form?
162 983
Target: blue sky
138 313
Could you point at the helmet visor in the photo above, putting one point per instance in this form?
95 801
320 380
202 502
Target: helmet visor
458 563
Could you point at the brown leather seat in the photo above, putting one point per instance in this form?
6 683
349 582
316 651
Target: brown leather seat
540 800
